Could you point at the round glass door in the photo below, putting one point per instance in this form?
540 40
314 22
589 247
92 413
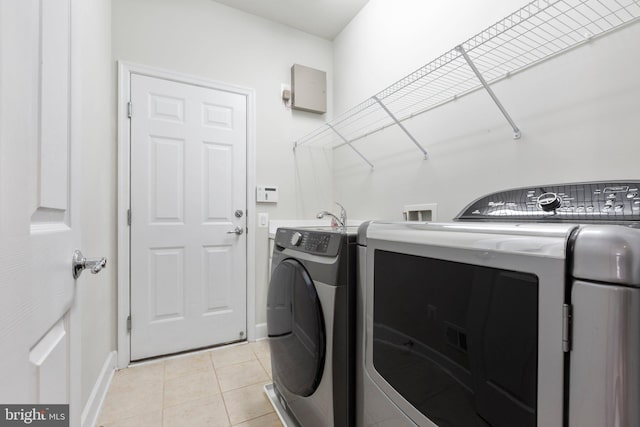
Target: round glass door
296 330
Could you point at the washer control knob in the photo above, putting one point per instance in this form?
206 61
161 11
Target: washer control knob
549 202
296 239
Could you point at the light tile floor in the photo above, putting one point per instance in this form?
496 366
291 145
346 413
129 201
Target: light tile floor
218 387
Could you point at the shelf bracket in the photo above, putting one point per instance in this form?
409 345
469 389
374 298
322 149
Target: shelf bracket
401 126
516 130
350 145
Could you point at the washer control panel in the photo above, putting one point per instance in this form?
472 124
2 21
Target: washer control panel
608 201
325 243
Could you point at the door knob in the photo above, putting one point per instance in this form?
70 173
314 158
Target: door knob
79 263
238 230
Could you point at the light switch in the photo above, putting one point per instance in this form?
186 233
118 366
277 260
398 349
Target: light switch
267 194
263 219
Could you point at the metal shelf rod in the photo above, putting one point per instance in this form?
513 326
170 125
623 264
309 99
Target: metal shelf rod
401 126
350 145
505 113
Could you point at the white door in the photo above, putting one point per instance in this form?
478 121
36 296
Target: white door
38 195
188 194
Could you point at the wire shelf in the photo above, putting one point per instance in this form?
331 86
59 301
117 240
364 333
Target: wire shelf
538 31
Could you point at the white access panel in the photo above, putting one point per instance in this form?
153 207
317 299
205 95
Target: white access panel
308 89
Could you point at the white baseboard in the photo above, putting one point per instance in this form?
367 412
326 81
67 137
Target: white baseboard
261 331
96 399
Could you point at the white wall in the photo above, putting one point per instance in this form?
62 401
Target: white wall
578 113
389 39
96 293
209 40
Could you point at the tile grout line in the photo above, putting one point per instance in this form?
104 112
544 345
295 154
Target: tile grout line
256 356
235 363
224 402
269 378
255 418
121 417
250 384
164 386
262 364
246 386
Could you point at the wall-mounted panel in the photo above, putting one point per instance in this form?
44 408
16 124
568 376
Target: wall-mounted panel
308 89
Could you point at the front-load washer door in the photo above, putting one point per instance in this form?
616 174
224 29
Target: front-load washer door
296 329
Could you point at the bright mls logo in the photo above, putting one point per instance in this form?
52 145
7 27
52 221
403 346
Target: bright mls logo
34 415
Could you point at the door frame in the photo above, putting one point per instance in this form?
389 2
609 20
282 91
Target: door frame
125 70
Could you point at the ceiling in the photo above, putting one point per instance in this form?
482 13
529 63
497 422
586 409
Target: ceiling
323 18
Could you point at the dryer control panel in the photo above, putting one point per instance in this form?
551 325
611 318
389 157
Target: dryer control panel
317 242
600 201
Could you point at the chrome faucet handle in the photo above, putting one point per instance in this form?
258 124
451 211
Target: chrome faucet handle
343 215
322 214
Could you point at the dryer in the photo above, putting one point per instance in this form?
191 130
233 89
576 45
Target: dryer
310 324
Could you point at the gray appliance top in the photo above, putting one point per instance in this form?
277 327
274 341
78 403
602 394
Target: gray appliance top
548 240
602 202
608 253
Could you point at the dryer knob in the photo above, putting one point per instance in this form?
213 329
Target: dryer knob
549 202
296 239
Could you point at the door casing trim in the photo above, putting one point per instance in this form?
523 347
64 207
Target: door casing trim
125 70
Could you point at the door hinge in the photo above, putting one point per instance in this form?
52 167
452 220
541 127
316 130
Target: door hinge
567 311
129 217
129 324
129 109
